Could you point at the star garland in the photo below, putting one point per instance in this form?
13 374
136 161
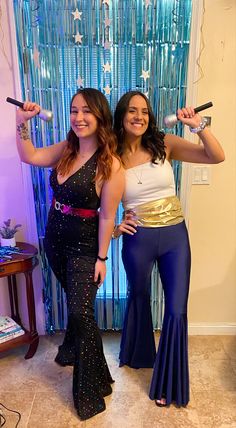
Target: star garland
36 57
107 46
77 14
108 22
78 37
80 82
147 3
107 90
145 75
107 67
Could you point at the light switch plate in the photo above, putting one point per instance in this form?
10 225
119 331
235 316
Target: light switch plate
201 174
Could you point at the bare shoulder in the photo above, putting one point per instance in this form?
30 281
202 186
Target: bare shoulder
117 165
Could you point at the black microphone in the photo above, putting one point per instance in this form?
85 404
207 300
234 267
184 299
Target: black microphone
43 114
171 120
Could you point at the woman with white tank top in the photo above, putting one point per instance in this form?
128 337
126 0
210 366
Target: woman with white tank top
154 230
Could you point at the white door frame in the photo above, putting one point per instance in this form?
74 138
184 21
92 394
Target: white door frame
191 97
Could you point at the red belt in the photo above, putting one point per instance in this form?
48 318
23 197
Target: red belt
80 212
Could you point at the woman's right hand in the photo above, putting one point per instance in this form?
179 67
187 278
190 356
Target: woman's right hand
128 225
28 111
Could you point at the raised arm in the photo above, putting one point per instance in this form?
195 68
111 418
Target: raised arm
180 149
45 156
112 191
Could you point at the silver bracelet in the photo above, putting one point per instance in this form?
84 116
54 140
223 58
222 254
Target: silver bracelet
202 125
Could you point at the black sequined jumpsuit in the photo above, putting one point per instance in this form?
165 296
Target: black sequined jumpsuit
71 244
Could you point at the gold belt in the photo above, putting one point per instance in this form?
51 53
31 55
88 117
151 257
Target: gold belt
163 212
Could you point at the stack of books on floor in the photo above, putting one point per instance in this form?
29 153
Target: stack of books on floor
9 329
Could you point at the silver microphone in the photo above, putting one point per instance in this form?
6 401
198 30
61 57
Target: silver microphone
171 120
46 115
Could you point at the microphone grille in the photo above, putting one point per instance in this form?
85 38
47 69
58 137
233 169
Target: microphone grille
46 115
170 121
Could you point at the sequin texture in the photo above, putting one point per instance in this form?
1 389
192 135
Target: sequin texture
71 244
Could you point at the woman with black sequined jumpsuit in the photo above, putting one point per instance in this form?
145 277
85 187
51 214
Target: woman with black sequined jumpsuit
86 177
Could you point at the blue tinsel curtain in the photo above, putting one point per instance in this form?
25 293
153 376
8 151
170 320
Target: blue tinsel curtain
114 46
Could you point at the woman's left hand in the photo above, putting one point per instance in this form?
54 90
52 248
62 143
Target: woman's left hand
188 117
100 272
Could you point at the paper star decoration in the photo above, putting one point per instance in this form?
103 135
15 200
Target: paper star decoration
77 14
148 3
106 2
107 45
145 75
107 67
36 57
78 38
80 82
108 22
107 90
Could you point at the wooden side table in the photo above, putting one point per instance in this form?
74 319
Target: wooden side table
24 262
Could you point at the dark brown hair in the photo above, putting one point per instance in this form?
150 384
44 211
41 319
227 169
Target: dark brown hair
106 138
152 139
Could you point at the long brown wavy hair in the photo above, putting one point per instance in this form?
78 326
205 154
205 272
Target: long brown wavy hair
152 139
106 138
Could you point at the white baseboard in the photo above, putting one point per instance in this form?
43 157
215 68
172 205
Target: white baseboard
212 329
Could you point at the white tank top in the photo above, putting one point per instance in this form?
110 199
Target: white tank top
148 182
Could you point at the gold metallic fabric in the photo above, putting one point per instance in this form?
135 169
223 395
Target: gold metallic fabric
163 212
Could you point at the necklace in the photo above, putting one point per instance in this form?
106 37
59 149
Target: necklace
138 176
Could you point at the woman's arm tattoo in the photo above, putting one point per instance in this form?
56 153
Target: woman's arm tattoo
23 131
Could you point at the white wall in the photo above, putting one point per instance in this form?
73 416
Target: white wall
212 210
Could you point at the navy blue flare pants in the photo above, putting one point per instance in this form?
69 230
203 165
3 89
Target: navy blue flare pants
169 246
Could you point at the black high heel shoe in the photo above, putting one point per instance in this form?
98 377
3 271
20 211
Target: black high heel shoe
63 363
65 357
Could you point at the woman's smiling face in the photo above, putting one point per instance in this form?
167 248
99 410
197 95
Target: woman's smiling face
83 122
136 119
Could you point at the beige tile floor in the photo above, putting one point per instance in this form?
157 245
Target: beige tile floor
41 390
